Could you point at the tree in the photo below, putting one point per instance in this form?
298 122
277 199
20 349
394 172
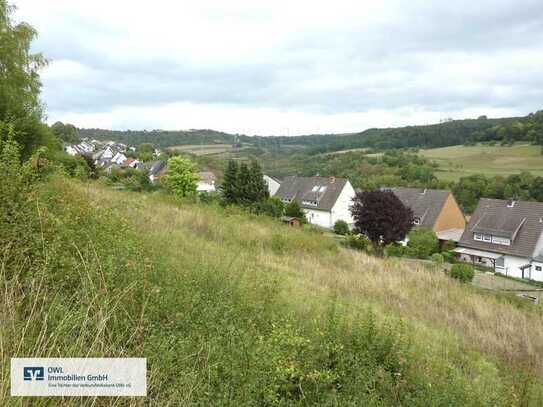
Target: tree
65 132
258 190
20 84
294 210
230 185
180 176
145 151
424 242
244 185
382 217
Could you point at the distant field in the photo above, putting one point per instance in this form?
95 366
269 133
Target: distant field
204 149
461 161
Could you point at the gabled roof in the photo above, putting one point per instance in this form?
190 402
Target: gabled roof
155 166
426 204
522 222
322 191
278 180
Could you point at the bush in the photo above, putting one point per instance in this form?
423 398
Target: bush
273 207
395 250
341 227
449 256
207 198
358 242
462 272
424 242
437 258
448 246
294 210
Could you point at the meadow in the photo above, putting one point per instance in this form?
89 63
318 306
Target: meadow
460 161
236 309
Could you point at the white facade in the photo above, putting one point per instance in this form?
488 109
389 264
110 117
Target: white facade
340 210
272 184
204 186
119 158
508 265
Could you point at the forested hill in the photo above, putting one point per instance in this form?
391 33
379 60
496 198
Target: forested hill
160 138
447 133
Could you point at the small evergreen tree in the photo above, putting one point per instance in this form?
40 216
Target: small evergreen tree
258 188
230 185
245 196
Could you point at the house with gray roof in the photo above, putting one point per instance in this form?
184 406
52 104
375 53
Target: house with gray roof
325 200
506 236
434 209
156 169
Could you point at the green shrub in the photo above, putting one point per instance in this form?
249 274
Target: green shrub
341 227
208 198
273 207
437 258
395 250
449 256
448 246
424 242
294 210
462 272
358 242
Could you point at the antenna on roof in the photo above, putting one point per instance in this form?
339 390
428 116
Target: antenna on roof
511 204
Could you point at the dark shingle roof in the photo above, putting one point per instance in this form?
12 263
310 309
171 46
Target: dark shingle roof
155 166
323 191
521 222
426 204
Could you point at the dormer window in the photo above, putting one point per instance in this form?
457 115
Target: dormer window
416 220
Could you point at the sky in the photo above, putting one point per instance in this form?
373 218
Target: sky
286 67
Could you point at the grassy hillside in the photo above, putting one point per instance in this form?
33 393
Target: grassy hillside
459 161
236 309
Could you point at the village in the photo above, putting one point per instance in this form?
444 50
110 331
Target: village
502 236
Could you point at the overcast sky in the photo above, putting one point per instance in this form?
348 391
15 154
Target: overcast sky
286 67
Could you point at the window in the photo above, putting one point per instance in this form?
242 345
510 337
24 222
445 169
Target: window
487 238
501 240
315 188
477 236
537 268
416 220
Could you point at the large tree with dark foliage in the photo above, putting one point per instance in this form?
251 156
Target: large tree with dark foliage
382 217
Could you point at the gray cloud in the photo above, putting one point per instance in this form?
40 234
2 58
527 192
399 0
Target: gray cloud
434 56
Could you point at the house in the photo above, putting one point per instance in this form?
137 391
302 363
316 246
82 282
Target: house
206 182
272 183
105 154
324 200
118 158
130 162
434 209
506 236
156 169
